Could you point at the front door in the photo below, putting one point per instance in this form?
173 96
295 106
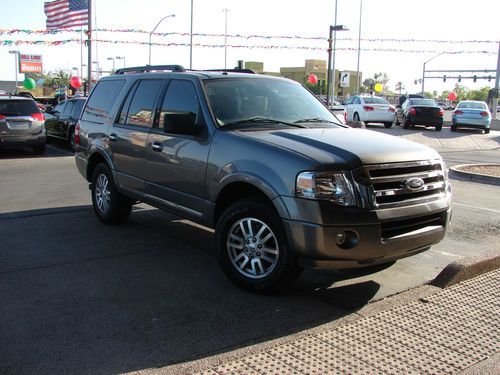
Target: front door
177 162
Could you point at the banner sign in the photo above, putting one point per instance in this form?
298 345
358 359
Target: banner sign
30 63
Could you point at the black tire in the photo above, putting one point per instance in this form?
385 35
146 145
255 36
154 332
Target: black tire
355 117
71 139
487 131
387 125
438 128
453 128
110 206
272 269
40 149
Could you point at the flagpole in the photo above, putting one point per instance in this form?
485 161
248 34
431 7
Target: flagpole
81 74
89 47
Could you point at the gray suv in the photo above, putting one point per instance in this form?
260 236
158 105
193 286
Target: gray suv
21 124
266 164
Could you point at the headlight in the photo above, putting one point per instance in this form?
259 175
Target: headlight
334 187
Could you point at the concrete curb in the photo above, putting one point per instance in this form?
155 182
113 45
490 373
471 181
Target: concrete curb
477 177
467 268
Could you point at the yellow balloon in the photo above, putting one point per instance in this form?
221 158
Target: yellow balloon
378 87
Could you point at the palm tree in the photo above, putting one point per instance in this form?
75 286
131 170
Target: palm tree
400 87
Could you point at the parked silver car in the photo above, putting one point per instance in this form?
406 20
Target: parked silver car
21 124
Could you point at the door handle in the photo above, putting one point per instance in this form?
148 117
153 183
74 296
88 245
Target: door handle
113 137
157 146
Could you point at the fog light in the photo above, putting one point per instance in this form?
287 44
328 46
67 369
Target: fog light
347 239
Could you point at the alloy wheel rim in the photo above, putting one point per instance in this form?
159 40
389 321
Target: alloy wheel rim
252 248
102 193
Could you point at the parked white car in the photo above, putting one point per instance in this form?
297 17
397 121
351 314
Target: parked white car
370 109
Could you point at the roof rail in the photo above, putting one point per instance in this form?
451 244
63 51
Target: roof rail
151 68
235 70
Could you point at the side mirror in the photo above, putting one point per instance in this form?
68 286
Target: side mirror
343 103
49 109
398 106
181 123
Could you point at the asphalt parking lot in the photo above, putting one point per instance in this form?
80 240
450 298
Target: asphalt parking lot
81 297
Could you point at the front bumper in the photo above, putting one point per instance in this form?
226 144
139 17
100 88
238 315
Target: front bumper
380 236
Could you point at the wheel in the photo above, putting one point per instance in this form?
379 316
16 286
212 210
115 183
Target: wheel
71 139
110 206
453 128
355 117
438 128
40 149
388 125
487 131
252 247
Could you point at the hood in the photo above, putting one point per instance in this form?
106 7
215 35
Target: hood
345 148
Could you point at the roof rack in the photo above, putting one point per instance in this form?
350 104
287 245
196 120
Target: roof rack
235 70
151 68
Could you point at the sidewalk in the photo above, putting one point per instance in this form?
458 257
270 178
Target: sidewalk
444 331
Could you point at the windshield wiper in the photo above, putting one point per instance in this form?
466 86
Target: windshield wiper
262 120
315 119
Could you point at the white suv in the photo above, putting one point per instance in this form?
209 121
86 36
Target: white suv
370 109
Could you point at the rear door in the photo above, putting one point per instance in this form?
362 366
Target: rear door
176 163
129 134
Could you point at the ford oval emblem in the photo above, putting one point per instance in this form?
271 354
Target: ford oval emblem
414 184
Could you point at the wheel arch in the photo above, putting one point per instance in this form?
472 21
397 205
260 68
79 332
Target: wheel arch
94 160
239 190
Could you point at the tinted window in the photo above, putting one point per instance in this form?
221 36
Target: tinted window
101 101
472 105
60 107
424 102
18 107
77 108
180 98
141 111
356 100
375 101
126 104
69 107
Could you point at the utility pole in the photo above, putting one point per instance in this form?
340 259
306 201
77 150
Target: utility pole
497 81
359 45
225 10
89 49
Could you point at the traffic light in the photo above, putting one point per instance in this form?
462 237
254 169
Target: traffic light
444 78
459 78
474 78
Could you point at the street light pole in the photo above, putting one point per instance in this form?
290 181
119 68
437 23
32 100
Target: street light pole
191 40
423 70
333 56
359 46
112 58
330 71
121 58
16 64
225 10
152 31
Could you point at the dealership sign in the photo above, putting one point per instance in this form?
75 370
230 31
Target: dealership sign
30 63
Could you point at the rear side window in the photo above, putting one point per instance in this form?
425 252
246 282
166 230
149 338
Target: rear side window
18 107
77 109
101 101
69 107
140 112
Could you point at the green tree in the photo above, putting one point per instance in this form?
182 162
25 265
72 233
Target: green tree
481 94
314 88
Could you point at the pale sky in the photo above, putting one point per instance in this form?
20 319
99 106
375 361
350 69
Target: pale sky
455 21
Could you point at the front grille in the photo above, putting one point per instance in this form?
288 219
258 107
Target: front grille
396 228
392 185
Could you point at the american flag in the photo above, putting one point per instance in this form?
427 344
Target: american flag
62 14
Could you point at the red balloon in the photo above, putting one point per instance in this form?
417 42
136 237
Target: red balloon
312 79
452 96
75 82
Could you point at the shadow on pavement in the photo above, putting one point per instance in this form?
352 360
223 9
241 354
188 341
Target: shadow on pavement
27 153
79 296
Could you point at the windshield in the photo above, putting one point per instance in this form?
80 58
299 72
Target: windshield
266 102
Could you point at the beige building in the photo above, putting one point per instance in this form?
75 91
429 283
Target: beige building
316 67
